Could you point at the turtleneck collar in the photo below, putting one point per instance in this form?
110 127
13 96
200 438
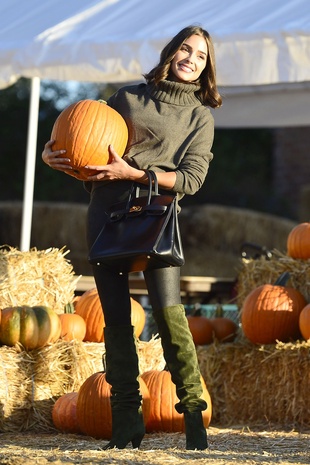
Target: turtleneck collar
177 93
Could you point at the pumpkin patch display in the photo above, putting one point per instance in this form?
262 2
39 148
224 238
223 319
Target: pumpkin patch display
271 312
64 413
298 241
85 130
94 413
32 327
163 416
88 306
304 322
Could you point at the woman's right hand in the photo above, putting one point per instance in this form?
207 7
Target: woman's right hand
55 159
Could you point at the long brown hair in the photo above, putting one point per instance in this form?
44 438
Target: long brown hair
207 91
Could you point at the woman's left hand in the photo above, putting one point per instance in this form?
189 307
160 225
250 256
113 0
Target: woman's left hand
116 169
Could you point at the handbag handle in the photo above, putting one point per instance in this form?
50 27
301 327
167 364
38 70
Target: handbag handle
151 179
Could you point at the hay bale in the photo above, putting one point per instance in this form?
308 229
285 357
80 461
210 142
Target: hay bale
254 273
36 277
251 385
34 380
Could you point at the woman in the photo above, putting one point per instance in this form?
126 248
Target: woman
170 132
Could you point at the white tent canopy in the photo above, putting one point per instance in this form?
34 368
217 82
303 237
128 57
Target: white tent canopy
262 52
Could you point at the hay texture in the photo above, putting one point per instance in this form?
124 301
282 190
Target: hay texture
32 381
251 385
36 277
254 273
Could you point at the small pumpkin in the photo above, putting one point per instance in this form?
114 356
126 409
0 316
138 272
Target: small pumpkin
224 329
85 129
298 241
64 413
94 409
163 416
73 326
33 327
271 312
304 322
88 306
200 327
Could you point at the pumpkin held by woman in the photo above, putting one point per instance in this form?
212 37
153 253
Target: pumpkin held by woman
85 130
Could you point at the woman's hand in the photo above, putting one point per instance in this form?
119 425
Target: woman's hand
117 169
55 159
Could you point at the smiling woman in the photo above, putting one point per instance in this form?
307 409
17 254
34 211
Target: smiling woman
190 60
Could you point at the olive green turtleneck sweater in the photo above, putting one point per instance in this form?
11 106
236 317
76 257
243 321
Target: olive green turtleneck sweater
169 130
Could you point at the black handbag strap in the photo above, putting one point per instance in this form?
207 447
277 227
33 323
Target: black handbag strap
152 186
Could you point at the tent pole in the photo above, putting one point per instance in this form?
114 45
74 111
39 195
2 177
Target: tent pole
30 164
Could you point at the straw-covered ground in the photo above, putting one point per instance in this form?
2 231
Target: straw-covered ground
239 446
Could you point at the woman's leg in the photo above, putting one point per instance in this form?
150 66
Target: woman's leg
179 350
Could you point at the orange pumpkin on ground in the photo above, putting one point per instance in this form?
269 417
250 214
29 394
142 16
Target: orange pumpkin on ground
224 329
85 130
73 326
298 241
200 327
94 409
33 327
271 312
64 413
304 322
88 306
163 416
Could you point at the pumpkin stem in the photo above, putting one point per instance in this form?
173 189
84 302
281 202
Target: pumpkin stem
69 308
219 311
102 101
282 279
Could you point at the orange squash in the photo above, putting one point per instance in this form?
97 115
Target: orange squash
73 326
304 322
88 306
163 416
224 329
64 413
94 409
33 327
85 130
200 327
298 241
271 312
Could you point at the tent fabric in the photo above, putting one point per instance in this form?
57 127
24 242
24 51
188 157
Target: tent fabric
257 42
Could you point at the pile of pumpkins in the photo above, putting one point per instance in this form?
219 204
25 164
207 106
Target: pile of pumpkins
88 411
277 312
35 327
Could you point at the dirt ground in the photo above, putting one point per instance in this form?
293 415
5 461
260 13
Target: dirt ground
226 447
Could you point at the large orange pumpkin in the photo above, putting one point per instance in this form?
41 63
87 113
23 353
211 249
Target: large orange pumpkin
163 416
271 312
298 241
94 409
88 306
304 322
85 130
64 413
33 327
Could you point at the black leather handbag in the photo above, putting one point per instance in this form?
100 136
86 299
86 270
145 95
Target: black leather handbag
141 233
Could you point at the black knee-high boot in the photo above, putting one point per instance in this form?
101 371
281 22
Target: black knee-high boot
181 358
122 372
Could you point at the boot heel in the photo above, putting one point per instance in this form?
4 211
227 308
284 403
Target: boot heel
136 441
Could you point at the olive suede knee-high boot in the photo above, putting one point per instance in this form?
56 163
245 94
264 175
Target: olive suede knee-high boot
122 372
181 358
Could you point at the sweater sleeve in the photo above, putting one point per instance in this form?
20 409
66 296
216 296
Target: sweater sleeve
193 168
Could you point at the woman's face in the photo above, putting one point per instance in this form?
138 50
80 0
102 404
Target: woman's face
190 60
